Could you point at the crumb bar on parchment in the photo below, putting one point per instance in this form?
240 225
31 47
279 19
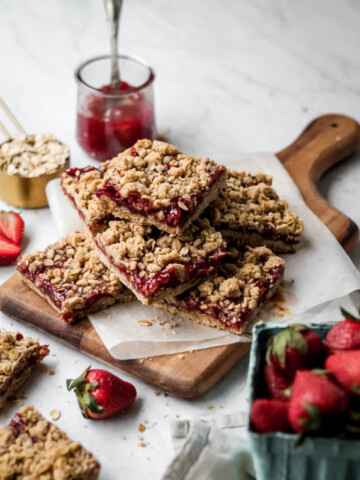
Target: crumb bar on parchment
33 448
248 211
18 358
71 278
233 298
153 183
154 264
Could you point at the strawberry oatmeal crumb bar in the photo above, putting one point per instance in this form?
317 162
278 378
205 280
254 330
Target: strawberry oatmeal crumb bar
153 183
248 211
154 264
232 299
33 448
71 278
18 358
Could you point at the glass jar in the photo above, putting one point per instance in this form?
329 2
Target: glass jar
111 120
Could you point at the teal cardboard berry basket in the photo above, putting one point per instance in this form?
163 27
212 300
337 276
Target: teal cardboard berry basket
275 455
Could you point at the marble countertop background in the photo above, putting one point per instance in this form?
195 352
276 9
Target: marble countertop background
231 77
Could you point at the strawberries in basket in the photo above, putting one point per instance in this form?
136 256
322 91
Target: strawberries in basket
313 385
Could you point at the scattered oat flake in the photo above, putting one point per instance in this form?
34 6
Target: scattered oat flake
145 421
53 354
76 361
165 394
304 109
141 444
109 317
55 414
123 437
156 394
144 323
210 407
51 371
141 427
140 438
177 416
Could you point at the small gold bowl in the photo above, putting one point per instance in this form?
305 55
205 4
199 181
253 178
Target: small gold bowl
28 192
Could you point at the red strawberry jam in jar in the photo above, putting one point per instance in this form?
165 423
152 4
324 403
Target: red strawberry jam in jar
109 120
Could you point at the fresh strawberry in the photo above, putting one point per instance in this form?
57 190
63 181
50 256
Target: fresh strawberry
101 394
270 416
277 382
294 348
317 404
9 250
345 335
345 367
12 226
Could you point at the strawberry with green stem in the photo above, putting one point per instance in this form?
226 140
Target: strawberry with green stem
345 335
101 394
295 348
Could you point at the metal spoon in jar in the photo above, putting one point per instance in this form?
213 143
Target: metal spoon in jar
113 9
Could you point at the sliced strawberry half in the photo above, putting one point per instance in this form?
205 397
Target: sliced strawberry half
9 250
12 226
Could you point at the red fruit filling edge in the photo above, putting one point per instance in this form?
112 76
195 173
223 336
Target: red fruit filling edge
186 302
168 277
59 294
174 215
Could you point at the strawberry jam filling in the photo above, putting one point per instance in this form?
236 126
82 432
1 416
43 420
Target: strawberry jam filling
169 277
173 215
108 125
79 172
201 305
19 427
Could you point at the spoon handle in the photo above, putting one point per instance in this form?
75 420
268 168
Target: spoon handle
113 9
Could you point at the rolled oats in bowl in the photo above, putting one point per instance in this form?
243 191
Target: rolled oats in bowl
33 155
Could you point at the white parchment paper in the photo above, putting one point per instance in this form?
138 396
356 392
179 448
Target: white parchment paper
318 278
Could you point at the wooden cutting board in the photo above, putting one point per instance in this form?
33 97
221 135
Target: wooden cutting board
325 142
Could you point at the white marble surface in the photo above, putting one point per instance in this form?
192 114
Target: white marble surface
231 77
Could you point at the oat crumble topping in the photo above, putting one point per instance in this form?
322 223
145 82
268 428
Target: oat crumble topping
31 447
71 268
159 172
249 202
16 355
142 254
33 155
235 292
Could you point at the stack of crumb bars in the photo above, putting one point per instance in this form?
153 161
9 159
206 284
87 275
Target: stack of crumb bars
177 232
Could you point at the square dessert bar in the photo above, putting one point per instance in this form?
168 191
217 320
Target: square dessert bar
152 183
18 358
154 264
71 278
33 448
79 186
248 211
232 299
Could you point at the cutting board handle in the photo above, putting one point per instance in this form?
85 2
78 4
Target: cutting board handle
325 141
